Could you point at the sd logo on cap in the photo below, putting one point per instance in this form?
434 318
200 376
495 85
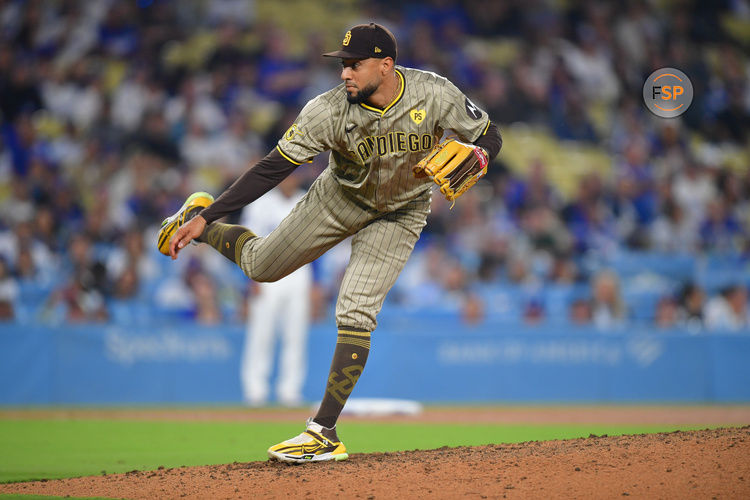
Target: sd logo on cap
367 40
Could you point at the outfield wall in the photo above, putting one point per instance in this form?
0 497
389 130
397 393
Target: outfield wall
436 360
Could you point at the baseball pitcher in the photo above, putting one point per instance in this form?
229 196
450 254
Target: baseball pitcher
381 126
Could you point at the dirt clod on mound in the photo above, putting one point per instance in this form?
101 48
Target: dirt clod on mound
698 464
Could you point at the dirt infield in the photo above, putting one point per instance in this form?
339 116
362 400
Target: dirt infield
697 464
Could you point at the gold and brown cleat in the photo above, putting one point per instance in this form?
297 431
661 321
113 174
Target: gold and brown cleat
316 444
169 226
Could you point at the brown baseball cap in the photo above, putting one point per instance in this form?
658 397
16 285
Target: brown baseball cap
367 40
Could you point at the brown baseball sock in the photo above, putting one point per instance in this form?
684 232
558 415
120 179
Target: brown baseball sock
227 239
349 358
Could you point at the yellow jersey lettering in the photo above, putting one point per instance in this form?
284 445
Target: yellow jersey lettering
413 143
364 153
393 142
382 150
400 142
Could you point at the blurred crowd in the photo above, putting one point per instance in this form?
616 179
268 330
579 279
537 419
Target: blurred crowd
112 112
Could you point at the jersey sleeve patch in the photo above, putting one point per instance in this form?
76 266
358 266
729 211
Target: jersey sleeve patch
472 110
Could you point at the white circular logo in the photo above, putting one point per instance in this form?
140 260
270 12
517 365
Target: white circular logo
668 92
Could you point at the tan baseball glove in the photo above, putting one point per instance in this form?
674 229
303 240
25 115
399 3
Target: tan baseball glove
454 166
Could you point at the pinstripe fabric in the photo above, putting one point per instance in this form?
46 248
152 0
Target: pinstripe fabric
379 253
374 158
240 243
324 217
368 189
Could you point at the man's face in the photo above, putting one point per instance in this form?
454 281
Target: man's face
362 78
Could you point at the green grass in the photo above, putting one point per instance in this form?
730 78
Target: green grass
46 449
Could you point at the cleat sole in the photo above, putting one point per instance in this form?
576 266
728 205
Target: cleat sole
170 224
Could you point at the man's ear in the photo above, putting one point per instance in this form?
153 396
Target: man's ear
386 65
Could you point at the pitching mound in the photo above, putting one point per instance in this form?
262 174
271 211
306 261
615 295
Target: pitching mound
697 464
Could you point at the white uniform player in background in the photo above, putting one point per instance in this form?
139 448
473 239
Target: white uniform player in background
278 308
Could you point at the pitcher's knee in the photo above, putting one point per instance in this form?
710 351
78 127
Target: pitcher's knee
256 266
264 275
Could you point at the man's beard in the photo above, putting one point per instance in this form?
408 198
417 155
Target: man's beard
362 95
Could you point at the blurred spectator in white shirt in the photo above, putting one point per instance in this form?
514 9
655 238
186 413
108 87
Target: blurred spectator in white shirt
8 292
608 307
672 231
728 310
693 189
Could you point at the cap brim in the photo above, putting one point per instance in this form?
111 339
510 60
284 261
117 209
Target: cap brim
345 55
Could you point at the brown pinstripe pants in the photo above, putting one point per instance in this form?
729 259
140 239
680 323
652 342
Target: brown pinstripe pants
325 216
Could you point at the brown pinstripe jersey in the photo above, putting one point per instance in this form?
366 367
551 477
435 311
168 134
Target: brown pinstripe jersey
373 150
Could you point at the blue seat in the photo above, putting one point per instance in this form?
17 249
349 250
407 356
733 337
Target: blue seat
642 305
718 271
558 297
502 300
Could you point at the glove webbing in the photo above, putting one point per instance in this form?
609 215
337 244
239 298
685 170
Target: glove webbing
458 181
